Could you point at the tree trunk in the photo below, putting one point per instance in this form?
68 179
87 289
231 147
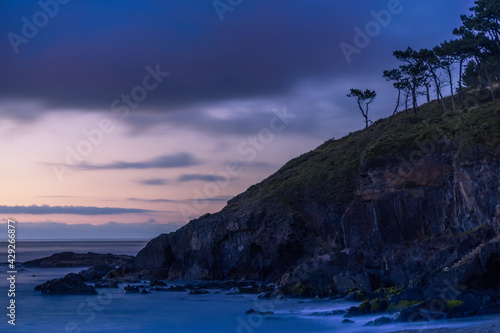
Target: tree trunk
397 106
460 80
414 99
450 76
438 89
479 76
488 78
428 98
407 96
366 116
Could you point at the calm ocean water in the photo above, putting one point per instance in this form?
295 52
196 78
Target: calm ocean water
176 312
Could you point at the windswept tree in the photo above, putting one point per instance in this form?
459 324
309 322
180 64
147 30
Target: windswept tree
400 83
455 49
432 64
447 58
364 99
477 46
414 71
486 21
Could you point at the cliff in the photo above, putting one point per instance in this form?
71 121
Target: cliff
410 204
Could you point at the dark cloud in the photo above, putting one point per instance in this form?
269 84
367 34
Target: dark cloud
73 210
153 181
199 177
163 162
90 53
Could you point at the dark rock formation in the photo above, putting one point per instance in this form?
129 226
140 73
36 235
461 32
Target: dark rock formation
198 292
171 288
262 313
96 272
379 321
71 259
406 206
71 284
128 289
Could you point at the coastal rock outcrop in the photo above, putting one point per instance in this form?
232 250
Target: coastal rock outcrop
72 259
409 206
71 284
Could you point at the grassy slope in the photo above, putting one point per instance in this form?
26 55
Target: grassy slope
330 172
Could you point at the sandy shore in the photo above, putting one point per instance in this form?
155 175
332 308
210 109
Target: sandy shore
478 329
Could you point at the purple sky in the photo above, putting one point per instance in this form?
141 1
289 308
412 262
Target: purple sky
125 121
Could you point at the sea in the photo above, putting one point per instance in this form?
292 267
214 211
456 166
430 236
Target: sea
114 311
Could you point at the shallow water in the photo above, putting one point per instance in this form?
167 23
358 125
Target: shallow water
114 311
219 311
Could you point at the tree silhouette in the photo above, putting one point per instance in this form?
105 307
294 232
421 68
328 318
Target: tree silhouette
400 83
363 97
414 71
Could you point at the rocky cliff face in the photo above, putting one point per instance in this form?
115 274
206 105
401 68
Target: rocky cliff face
381 207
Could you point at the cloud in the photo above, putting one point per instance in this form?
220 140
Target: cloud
162 162
153 181
73 210
222 198
72 63
199 177
151 200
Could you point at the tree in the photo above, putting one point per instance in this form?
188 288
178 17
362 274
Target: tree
363 97
477 46
432 64
486 21
447 57
457 50
414 71
400 83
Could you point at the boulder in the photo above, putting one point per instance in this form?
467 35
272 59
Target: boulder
131 289
72 259
71 284
379 321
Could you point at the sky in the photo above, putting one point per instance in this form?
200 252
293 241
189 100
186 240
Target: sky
126 119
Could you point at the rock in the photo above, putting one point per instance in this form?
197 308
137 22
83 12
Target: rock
363 309
144 291
489 309
71 284
412 212
96 272
330 313
109 284
419 312
157 283
171 288
198 292
379 321
71 259
250 290
131 289
264 313
347 321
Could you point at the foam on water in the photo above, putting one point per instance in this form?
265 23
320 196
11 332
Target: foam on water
219 311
